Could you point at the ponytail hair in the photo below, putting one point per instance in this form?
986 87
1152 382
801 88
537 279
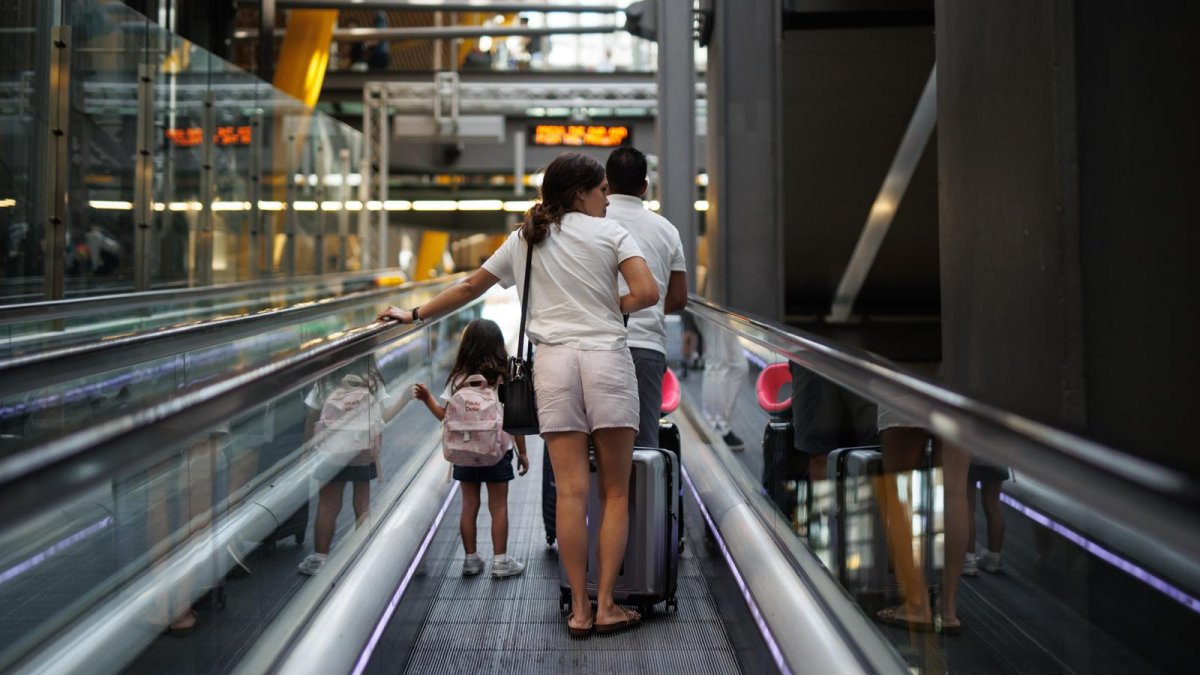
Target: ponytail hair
567 176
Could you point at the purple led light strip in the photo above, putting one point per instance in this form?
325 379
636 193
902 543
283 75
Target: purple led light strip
768 636
1126 566
395 601
53 550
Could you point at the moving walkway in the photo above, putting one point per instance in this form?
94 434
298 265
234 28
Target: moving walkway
113 530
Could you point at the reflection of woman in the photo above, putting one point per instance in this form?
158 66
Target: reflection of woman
583 374
189 484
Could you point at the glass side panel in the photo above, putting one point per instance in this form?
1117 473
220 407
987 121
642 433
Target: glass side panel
38 415
963 564
31 336
217 149
202 544
24 68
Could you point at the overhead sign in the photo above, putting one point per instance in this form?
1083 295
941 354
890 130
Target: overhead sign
580 135
192 136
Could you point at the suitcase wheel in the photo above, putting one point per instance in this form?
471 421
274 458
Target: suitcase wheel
673 605
564 601
300 536
645 609
549 539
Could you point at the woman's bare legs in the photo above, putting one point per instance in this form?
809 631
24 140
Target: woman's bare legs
614 461
955 461
902 449
470 512
498 509
569 457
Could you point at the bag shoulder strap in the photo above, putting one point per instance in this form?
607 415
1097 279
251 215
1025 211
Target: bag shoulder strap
525 305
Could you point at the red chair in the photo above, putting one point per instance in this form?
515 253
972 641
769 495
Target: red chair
670 393
770 381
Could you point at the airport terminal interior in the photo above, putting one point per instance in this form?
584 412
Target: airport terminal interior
925 408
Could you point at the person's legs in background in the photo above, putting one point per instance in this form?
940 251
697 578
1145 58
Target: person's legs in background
725 372
650 367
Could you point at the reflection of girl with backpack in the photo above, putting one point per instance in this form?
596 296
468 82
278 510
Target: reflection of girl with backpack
346 420
472 439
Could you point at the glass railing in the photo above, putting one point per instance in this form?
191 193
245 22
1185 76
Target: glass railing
972 540
37 327
76 389
177 544
171 168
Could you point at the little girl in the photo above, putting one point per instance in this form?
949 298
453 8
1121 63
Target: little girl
482 352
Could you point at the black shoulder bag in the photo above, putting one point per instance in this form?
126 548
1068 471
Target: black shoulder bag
520 403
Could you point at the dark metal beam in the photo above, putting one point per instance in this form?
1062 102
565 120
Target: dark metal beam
442 6
440 32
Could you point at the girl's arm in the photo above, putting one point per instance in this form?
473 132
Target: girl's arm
422 394
448 300
522 458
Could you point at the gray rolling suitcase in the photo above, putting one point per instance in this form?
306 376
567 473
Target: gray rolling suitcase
858 537
649 573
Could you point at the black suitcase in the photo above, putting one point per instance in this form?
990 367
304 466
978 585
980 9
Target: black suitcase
668 439
858 536
784 469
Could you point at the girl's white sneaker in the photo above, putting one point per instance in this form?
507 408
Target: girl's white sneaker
506 566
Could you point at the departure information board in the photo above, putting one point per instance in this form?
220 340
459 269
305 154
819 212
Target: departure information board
580 135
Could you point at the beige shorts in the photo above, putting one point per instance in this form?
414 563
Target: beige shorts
581 390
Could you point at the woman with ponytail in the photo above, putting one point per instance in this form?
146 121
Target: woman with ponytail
583 372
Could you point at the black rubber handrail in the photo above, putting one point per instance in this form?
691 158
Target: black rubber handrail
25 373
1160 501
50 310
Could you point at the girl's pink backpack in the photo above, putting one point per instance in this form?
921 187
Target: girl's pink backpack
472 430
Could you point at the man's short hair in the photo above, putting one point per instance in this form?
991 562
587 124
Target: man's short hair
626 169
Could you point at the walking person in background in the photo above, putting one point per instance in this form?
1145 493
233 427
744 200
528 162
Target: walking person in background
481 352
988 558
660 243
583 374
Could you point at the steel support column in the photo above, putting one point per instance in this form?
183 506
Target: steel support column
56 167
745 138
675 124
343 216
257 224
143 180
204 221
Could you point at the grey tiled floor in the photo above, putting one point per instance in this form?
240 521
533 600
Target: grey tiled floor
481 625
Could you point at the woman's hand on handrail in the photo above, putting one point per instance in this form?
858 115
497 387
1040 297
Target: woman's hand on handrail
447 301
393 313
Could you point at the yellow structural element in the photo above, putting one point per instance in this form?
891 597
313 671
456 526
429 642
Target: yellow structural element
429 257
300 70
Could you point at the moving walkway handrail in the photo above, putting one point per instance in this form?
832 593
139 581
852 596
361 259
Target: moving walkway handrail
1161 502
42 369
60 309
29 479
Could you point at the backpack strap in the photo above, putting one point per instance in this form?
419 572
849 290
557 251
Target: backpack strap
474 380
525 306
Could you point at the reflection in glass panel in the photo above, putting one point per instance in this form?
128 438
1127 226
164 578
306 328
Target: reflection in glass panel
963 565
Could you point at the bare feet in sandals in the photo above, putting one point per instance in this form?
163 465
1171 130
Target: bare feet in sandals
580 626
917 620
615 619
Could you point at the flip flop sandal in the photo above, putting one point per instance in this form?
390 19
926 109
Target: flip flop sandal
632 619
943 629
579 633
890 616
184 631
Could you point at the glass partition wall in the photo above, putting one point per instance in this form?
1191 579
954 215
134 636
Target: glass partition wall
993 555
136 160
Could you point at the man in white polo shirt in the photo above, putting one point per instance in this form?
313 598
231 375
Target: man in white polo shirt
663 250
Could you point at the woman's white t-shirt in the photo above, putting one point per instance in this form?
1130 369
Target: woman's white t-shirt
573 286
